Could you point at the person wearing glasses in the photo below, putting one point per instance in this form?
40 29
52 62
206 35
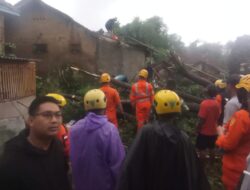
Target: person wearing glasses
34 159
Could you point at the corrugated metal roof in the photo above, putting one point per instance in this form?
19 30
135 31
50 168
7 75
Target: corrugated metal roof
8 9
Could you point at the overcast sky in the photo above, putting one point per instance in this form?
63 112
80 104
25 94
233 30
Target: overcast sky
206 20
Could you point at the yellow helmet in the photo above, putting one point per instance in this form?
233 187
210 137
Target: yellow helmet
105 77
167 101
94 99
62 101
244 82
220 84
143 73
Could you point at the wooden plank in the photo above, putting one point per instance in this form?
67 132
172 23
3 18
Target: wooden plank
1 84
11 75
17 81
5 82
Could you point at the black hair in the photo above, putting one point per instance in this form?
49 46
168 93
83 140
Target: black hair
242 97
211 90
34 106
233 79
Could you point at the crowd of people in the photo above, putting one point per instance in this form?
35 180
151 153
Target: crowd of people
90 155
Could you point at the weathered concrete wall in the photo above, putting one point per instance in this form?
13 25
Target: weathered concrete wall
12 118
133 61
1 34
41 24
116 58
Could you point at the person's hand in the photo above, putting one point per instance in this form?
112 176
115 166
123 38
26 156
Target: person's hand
220 130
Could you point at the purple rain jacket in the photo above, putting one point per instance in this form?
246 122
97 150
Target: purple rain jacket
96 153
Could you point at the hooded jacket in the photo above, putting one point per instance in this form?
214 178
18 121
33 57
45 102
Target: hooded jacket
162 158
25 167
96 153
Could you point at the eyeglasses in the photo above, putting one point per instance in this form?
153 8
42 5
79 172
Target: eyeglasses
49 115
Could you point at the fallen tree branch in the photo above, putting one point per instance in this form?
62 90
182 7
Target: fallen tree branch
86 72
185 96
96 76
181 68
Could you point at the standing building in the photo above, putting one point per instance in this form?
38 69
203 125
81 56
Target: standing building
44 33
17 82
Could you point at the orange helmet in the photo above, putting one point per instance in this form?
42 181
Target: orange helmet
105 77
143 73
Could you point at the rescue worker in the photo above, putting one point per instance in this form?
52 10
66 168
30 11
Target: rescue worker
62 134
110 24
162 156
235 141
113 99
141 97
221 98
96 150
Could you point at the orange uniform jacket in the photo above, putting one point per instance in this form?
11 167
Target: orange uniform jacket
236 143
113 100
63 136
142 96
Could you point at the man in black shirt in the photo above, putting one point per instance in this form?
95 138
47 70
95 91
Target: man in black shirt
34 160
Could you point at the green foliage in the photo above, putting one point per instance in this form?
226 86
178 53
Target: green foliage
46 85
192 89
9 45
74 110
68 81
127 132
188 122
9 50
64 81
152 32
